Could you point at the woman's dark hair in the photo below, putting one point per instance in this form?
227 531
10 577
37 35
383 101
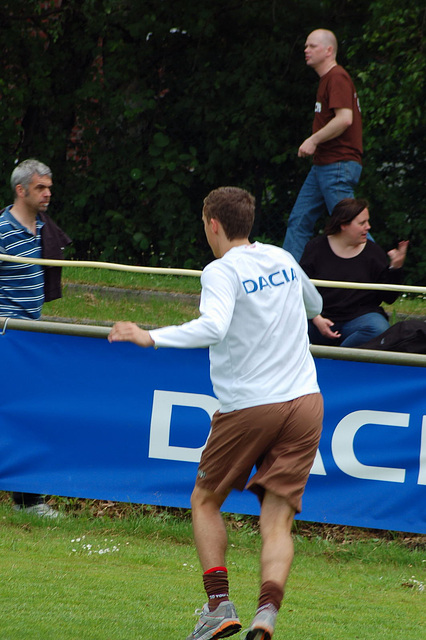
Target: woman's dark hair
343 213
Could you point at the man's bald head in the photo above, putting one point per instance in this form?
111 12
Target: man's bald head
327 38
321 50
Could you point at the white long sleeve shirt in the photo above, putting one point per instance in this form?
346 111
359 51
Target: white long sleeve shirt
254 306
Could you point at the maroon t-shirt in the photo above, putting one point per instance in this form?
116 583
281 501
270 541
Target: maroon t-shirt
337 91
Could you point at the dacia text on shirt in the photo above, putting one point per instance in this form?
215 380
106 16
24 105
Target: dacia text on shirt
275 279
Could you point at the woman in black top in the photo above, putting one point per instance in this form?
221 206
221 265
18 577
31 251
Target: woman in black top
351 317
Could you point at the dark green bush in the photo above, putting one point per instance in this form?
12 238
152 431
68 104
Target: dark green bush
141 108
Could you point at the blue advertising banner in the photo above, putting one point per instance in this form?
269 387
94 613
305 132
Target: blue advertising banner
80 417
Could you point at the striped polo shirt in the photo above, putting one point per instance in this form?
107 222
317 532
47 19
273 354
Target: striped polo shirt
21 285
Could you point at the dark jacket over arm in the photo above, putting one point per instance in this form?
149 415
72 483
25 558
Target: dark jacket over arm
53 241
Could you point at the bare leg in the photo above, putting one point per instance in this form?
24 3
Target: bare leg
218 616
209 528
276 519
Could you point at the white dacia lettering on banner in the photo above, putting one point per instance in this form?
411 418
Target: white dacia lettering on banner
342 444
161 417
422 461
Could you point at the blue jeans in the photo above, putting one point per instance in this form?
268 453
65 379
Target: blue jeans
323 188
353 332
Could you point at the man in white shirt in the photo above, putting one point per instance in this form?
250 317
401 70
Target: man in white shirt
254 306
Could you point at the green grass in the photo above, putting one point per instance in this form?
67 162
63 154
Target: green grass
129 280
95 306
103 307
407 304
98 307
55 582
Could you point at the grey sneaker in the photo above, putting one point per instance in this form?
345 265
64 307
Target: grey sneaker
42 509
221 623
263 625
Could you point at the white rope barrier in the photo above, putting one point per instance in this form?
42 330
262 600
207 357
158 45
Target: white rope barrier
197 273
405 288
94 331
100 265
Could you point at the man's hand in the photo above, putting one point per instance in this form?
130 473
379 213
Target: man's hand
324 327
343 119
130 332
397 256
307 148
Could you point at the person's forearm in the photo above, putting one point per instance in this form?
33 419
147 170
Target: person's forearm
334 128
199 333
337 125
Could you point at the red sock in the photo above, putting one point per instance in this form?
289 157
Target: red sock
216 585
270 593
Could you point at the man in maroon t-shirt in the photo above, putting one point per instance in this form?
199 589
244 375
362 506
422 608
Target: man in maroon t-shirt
335 143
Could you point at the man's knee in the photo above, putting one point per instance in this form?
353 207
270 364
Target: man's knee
203 498
277 511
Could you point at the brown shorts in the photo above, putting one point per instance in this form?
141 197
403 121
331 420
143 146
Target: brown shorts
279 439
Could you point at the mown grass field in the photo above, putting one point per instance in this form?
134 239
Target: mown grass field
103 298
134 574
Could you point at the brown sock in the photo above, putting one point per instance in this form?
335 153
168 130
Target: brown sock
270 593
216 585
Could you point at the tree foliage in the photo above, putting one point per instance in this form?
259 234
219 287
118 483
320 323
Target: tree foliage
391 78
141 108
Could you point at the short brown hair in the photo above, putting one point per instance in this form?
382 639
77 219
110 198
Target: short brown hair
234 208
343 213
